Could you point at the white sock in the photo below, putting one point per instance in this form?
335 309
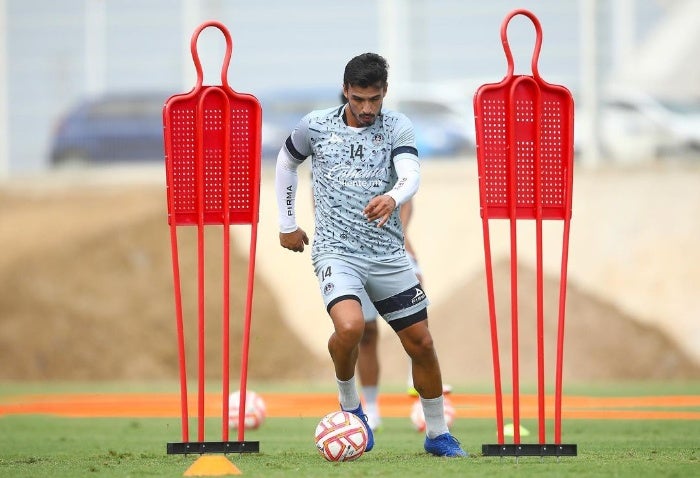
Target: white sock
434 411
370 394
347 394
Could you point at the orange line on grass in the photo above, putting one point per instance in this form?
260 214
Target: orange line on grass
315 405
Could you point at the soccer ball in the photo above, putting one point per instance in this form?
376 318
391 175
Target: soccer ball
341 436
255 410
418 418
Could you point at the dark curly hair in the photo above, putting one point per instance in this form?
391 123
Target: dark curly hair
368 69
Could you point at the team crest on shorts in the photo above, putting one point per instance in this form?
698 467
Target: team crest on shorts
328 288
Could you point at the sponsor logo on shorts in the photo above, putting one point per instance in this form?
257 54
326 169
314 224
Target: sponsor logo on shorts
328 288
420 295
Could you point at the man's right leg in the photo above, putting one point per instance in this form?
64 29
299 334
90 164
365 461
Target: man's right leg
343 346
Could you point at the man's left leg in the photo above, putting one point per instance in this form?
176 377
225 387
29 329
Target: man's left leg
427 379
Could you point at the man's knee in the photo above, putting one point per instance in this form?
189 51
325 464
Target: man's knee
349 331
424 343
347 319
417 339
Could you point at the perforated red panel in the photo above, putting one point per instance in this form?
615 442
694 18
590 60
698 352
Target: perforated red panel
243 161
524 116
556 150
494 148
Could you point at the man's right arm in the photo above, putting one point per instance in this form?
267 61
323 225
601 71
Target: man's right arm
286 181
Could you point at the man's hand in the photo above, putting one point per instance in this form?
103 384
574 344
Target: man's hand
380 207
294 241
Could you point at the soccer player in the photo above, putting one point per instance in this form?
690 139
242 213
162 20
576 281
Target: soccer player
364 165
368 355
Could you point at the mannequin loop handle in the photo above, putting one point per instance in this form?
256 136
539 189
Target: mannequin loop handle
538 41
227 56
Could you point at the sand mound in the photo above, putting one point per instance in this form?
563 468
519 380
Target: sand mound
88 295
97 304
600 343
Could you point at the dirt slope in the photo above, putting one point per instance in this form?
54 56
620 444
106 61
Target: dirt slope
96 302
600 343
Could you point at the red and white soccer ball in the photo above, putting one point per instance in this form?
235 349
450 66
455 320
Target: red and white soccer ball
418 418
255 410
341 436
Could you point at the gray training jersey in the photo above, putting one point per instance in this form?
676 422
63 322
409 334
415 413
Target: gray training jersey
350 166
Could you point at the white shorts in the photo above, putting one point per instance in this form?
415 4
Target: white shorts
390 284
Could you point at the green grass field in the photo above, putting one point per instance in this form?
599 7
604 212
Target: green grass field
42 446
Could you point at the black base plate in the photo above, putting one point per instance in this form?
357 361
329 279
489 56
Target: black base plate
202 447
529 449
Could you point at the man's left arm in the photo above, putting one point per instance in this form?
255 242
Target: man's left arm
408 173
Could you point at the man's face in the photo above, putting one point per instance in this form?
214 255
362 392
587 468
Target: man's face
364 104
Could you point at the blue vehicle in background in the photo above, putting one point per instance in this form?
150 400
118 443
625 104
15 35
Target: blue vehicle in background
128 127
109 128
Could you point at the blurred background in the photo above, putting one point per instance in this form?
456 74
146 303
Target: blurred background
83 82
71 70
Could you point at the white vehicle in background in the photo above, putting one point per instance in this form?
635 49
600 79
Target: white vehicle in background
442 112
637 126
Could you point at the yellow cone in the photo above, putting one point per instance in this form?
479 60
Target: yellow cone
212 465
509 430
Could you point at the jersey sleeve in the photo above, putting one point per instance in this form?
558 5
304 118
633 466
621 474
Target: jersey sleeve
404 137
298 144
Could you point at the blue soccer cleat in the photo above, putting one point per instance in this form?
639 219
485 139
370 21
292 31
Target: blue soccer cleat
444 445
370 436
